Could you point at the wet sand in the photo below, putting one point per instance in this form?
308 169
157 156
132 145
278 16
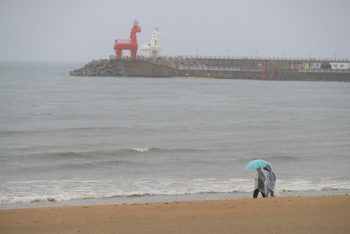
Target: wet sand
324 214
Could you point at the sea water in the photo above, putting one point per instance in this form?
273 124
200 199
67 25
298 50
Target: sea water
68 140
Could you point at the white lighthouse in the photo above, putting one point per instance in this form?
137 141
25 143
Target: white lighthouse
152 49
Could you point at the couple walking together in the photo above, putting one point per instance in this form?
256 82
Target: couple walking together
260 182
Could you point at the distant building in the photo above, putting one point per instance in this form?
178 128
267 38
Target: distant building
311 65
340 65
306 65
315 65
153 49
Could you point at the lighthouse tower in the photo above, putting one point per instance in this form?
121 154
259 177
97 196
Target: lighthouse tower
131 44
152 49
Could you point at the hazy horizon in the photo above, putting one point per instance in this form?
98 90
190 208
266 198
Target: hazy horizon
81 31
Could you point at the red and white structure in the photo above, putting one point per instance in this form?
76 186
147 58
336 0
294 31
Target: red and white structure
121 44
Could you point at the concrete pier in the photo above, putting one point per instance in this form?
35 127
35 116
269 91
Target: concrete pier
213 68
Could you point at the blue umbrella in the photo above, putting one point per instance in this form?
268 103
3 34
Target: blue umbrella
256 164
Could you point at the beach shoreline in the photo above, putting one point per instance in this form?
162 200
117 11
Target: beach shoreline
309 214
163 198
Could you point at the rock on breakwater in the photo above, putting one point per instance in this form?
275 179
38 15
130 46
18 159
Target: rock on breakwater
102 67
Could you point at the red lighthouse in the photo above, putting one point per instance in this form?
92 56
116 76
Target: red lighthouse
131 44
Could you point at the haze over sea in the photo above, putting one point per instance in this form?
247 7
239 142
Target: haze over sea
95 140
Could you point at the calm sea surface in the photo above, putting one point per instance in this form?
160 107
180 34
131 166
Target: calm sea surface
71 140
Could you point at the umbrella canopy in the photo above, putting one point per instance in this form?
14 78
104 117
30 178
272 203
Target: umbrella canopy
256 164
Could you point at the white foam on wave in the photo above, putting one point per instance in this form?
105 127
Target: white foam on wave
78 189
41 191
305 185
141 150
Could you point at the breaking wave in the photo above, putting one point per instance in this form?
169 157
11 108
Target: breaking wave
77 189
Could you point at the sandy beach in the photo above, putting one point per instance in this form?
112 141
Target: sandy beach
324 214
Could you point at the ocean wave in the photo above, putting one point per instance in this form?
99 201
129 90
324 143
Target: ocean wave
44 191
305 185
271 158
91 159
141 150
163 150
59 130
99 153
282 158
77 189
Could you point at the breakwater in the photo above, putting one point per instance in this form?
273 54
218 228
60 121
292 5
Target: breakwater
190 67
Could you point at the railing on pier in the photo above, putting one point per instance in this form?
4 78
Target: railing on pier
217 68
245 58
268 58
185 63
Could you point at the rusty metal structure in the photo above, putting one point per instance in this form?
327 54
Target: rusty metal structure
268 69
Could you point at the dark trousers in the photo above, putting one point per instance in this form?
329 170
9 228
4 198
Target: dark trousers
256 193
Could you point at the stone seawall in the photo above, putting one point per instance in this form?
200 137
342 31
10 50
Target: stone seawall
140 68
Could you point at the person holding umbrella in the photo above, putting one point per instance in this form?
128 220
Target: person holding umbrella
260 176
259 183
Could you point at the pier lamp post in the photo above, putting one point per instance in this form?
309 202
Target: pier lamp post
227 52
256 54
335 55
309 55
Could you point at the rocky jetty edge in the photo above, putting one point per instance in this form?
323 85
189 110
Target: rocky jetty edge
101 67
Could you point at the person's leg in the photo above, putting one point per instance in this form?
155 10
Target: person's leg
267 192
262 194
272 194
256 192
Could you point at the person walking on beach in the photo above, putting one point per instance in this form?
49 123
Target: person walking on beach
259 183
270 181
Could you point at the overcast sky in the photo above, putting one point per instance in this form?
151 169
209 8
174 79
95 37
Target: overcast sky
83 30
